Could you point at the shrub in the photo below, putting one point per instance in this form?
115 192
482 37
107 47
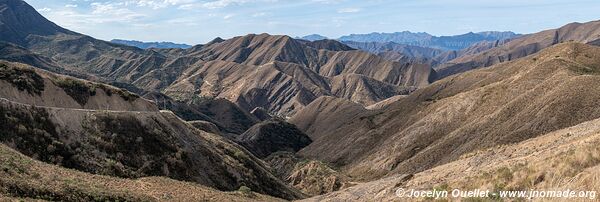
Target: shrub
24 79
78 90
126 95
246 191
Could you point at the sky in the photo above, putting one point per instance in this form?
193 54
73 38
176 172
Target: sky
199 21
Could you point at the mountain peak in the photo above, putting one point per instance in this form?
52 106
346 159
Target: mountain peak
18 20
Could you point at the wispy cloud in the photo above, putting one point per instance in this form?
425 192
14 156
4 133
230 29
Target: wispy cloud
348 10
156 4
71 6
218 4
45 9
259 14
228 16
327 1
108 12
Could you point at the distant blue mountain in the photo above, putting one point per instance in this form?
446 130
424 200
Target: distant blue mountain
423 39
146 45
312 37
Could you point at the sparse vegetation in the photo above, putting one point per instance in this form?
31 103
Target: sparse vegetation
568 169
77 89
584 70
81 91
24 79
32 133
30 179
125 145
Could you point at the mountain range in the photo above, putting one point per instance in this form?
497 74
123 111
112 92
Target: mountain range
423 39
265 117
312 37
296 73
146 45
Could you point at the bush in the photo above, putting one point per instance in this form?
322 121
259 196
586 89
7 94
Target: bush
24 79
246 191
78 90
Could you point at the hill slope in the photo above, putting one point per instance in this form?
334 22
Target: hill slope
541 163
22 178
523 46
507 103
76 124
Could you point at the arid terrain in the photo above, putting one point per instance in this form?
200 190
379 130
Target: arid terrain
263 117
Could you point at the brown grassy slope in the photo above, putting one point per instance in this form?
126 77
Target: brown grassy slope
522 46
560 160
24 177
324 115
364 90
29 85
263 49
134 144
507 103
279 87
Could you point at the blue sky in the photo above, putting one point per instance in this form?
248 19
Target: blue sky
199 21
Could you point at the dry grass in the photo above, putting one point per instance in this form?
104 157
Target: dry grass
561 160
23 177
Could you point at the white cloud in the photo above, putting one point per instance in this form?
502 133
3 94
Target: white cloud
46 9
217 4
71 6
327 1
114 12
156 4
222 3
348 10
259 14
189 4
228 16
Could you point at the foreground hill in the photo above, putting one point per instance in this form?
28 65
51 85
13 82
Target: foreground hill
507 103
296 73
560 160
22 178
523 46
77 124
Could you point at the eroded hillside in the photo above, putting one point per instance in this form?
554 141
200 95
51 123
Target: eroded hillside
507 103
